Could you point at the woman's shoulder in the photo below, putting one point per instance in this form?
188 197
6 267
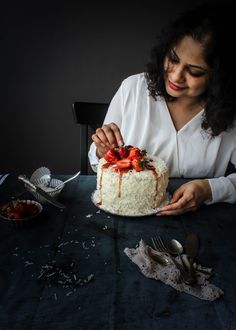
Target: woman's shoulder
135 80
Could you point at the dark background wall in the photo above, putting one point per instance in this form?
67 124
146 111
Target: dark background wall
53 53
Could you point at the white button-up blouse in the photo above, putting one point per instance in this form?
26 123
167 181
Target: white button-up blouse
190 152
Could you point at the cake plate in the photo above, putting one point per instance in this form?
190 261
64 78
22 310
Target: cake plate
95 199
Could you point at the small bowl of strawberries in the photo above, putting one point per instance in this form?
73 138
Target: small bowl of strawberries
20 211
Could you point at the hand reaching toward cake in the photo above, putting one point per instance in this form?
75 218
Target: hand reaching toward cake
107 137
188 197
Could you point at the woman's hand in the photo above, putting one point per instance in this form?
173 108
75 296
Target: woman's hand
188 197
106 137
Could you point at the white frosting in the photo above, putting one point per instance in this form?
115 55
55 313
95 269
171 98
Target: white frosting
132 192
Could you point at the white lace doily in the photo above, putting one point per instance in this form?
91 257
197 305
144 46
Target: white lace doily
170 275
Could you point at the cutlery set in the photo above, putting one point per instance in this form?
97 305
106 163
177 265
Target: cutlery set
187 273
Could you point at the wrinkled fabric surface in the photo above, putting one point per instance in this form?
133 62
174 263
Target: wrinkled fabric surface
67 270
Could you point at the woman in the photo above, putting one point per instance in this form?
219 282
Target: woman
182 109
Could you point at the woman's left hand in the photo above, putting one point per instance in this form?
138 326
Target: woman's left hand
188 197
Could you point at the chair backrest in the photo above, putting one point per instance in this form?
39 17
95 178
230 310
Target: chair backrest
89 116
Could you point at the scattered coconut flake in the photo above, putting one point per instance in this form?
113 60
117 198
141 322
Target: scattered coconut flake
90 277
84 246
63 275
89 215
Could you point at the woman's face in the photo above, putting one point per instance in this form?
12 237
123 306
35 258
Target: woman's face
186 72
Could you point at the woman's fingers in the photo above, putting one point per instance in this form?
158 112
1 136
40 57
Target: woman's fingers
181 204
178 211
113 135
99 139
188 197
108 135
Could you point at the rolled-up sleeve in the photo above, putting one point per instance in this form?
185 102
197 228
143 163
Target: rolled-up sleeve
93 159
224 188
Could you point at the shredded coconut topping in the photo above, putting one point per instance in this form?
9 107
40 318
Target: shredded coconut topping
131 192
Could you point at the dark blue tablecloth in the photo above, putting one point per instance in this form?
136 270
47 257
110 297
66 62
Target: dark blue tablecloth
67 270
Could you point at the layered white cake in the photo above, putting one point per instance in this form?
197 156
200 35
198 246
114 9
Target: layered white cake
130 192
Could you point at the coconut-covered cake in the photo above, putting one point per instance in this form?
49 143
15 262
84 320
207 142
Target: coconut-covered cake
130 182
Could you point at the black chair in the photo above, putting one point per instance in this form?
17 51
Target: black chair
89 116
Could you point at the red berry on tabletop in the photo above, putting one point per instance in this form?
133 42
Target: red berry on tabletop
111 156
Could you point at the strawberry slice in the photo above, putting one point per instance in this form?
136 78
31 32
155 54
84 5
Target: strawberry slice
138 164
124 163
111 156
136 153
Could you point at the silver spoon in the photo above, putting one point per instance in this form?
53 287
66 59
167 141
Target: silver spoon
160 258
175 247
62 183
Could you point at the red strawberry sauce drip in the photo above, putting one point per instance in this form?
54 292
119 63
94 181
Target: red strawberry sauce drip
120 181
156 176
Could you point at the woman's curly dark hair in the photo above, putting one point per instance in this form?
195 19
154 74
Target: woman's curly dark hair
211 27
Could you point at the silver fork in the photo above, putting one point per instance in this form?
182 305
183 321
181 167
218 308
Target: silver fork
160 246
